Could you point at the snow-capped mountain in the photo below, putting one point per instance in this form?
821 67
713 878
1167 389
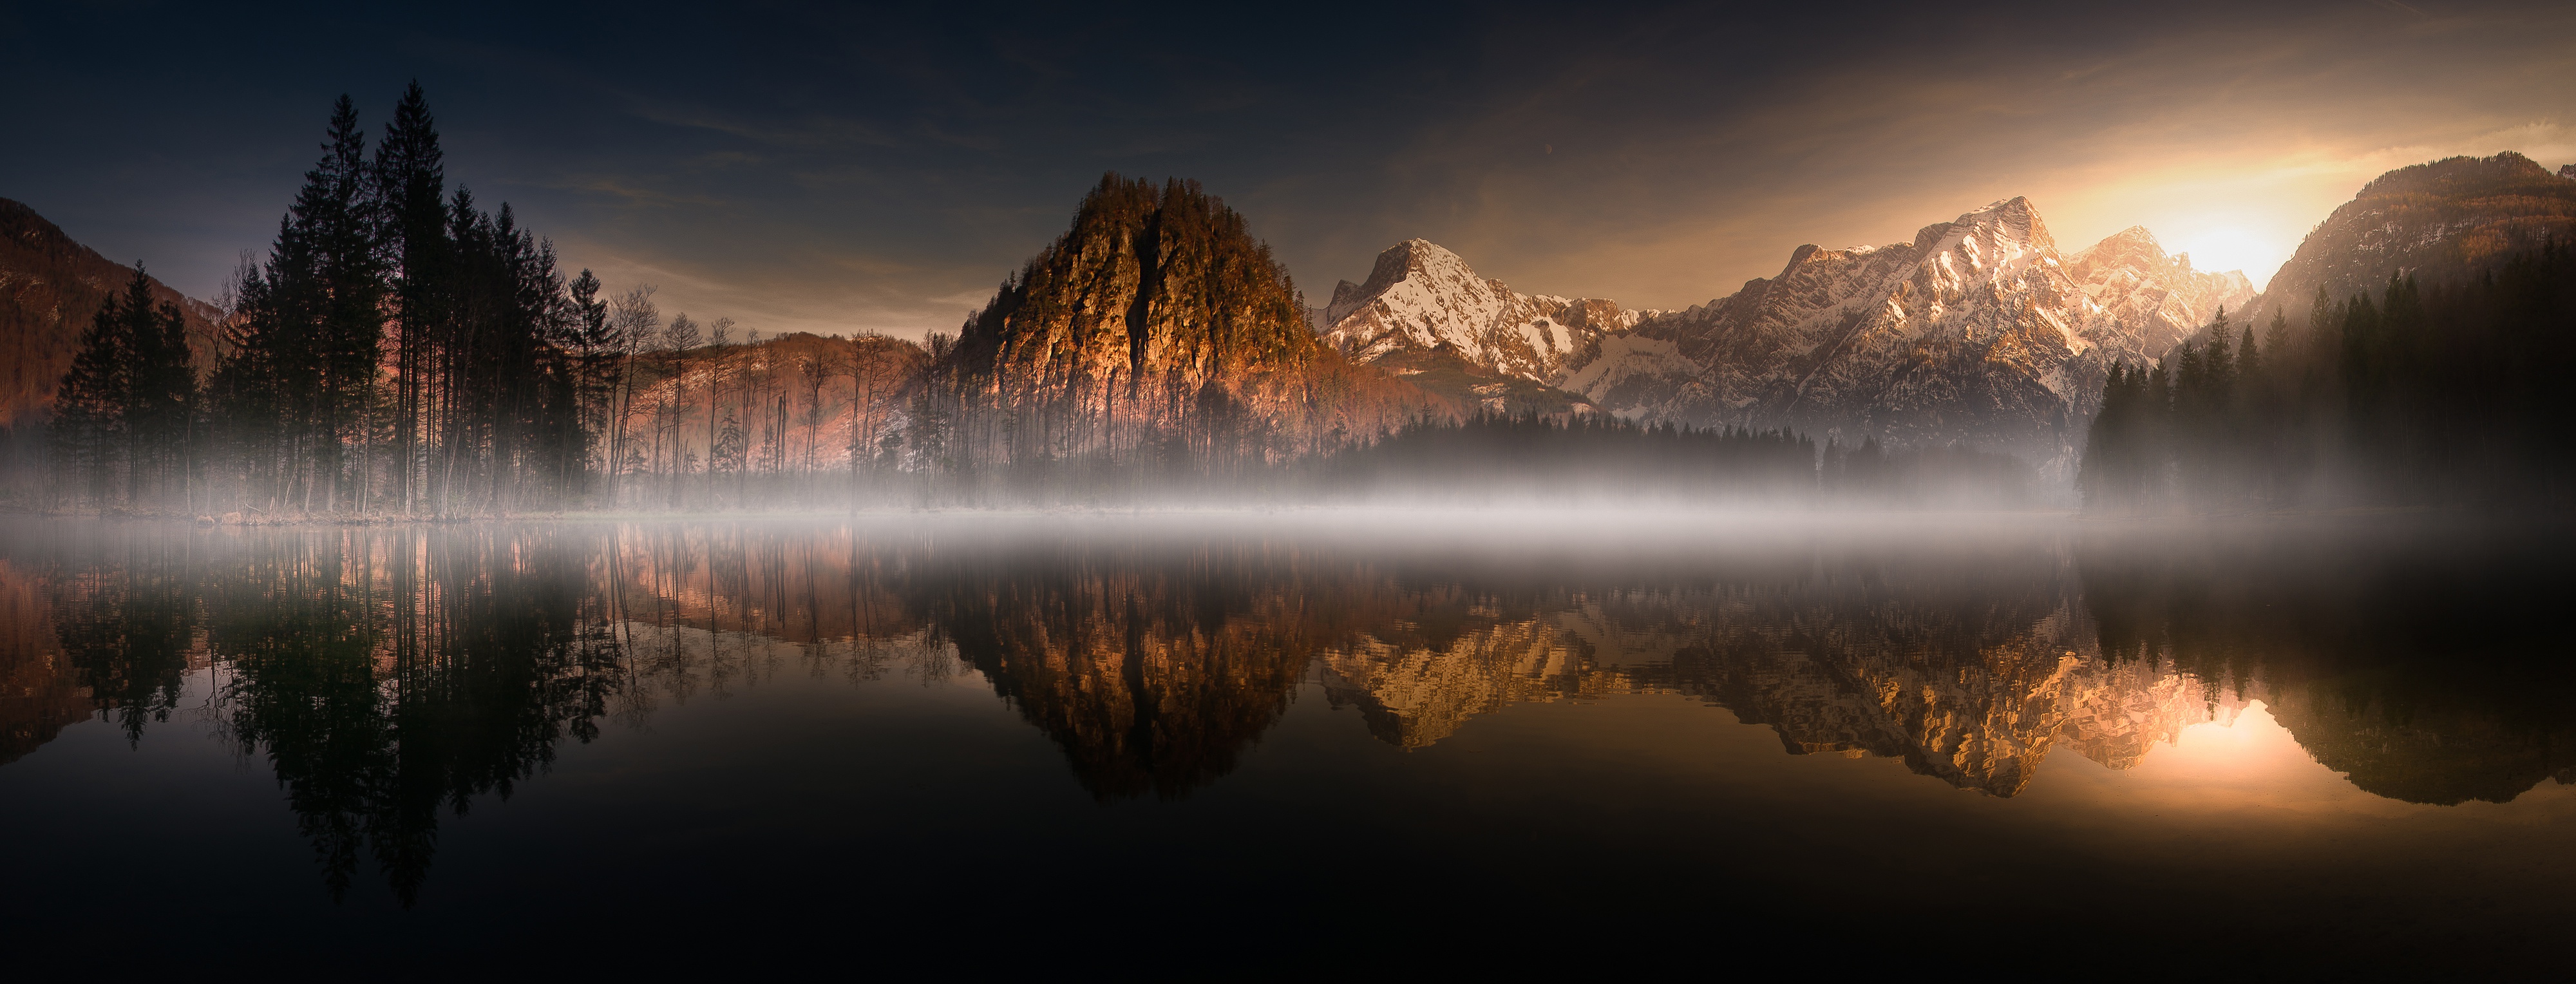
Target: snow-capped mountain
2160 296
1420 298
1977 332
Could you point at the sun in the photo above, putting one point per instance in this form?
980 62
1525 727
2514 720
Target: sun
2220 249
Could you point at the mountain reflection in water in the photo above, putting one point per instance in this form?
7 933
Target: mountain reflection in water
393 676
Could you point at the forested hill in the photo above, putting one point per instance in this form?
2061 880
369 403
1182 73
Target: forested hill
50 288
2408 354
2438 222
1157 320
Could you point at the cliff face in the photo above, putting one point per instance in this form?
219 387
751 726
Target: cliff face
1158 313
50 288
2435 221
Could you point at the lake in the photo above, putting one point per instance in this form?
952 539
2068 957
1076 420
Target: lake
1302 743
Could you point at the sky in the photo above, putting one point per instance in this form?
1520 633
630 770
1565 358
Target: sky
834 168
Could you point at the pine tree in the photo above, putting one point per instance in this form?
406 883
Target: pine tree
123 410
161 404
411 184
2276 339
594 347
89 407
340 213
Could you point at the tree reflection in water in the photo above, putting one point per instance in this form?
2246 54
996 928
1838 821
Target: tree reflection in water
392 674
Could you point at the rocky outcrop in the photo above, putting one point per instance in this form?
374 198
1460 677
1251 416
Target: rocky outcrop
1158 314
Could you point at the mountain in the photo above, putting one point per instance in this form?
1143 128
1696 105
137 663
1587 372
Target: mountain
1422 312
50 288
2161 296
1977 332
1158 315
2436 220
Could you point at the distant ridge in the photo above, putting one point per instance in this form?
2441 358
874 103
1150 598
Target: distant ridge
2435 220
1978 332
50 288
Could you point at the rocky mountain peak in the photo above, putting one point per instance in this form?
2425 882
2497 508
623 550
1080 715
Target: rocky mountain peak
1995 241
1977 331
2129 275
1415 264
2134 244
1420 298
1158 312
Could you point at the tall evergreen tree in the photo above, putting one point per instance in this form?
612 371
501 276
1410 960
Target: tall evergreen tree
123 410
411 181
313 321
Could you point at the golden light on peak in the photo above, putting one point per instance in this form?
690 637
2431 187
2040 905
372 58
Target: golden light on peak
2220 248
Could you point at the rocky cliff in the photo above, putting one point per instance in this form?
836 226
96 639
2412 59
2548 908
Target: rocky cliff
1159 315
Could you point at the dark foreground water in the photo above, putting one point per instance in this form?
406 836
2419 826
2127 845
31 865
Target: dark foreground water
1321 744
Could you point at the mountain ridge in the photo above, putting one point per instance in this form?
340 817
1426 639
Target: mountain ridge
50 287
2436 220
1421 296
1978 330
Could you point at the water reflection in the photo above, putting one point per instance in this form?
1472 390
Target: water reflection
391 676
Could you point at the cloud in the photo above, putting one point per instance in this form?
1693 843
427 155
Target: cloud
2247 128
887 167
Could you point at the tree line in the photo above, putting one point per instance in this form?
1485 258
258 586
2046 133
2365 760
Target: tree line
401 351
2445 394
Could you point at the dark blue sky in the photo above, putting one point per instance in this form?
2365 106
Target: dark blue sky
832 168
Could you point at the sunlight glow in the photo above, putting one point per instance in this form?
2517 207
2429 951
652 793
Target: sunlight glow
2219 249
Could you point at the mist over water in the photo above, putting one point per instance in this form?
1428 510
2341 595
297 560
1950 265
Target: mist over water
2303 744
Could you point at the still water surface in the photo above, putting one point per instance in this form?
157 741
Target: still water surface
1190 744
